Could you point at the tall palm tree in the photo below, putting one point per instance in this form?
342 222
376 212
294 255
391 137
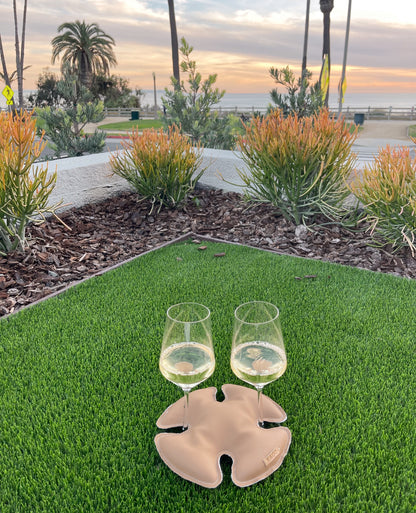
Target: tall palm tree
326 8
85 48
174 41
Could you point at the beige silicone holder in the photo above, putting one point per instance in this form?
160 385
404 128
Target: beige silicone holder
217 428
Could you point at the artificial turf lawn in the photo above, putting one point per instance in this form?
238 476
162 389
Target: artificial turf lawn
80 388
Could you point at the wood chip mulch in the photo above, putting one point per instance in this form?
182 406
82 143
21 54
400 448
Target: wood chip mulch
104 234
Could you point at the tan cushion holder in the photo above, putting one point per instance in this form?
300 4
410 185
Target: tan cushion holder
217 428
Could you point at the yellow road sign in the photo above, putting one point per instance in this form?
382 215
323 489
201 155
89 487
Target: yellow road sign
8 93
9 102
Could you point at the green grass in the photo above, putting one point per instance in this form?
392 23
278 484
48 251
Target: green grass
80 389
141 124
411 131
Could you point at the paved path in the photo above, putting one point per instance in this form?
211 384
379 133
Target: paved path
378 134
397 130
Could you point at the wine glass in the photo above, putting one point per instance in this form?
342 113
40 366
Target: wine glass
258 354
187 355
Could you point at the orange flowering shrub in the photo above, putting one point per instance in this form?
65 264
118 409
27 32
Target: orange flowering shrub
300 165
24 188
161 166
387 190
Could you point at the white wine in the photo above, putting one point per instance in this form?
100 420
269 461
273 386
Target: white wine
258 363
187 363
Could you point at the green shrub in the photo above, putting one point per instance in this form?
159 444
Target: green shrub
302 98
161 166
191 107
64 128
24 188
299 165
387 189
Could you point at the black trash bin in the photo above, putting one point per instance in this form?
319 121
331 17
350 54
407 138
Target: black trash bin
358 118
134 115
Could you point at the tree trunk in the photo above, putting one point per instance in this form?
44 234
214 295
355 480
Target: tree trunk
5 73
83 72
22 56
4 65
17 46
174 42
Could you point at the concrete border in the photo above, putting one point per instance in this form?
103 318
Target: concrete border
89 179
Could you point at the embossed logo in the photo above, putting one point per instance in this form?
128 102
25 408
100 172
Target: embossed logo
271 456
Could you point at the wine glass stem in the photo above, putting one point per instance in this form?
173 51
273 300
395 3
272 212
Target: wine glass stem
185 409
260 406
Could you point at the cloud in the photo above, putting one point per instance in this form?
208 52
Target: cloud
238 40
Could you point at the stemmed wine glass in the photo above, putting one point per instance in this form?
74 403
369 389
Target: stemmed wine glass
258 354
187 355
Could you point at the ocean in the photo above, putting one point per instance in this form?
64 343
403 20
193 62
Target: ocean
253 101
260 101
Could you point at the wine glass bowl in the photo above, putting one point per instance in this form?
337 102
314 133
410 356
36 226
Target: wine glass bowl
258 354
187 355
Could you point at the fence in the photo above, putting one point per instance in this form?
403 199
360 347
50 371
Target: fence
381 113
123 112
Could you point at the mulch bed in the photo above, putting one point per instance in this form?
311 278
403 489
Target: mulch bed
104 234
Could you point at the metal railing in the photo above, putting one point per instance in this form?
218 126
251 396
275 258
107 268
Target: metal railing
125 112
381 113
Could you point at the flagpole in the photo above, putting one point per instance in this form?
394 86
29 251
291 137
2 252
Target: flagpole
344 63
305 41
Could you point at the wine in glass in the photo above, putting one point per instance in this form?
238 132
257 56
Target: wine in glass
187 355
258 354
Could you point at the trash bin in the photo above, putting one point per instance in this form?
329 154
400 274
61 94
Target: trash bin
134 115
358 118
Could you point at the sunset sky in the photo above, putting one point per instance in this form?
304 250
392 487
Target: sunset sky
239 40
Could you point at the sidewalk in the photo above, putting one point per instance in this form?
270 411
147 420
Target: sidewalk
380 133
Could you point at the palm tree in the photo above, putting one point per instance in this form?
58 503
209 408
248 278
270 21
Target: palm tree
174 40
85 48
326 8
